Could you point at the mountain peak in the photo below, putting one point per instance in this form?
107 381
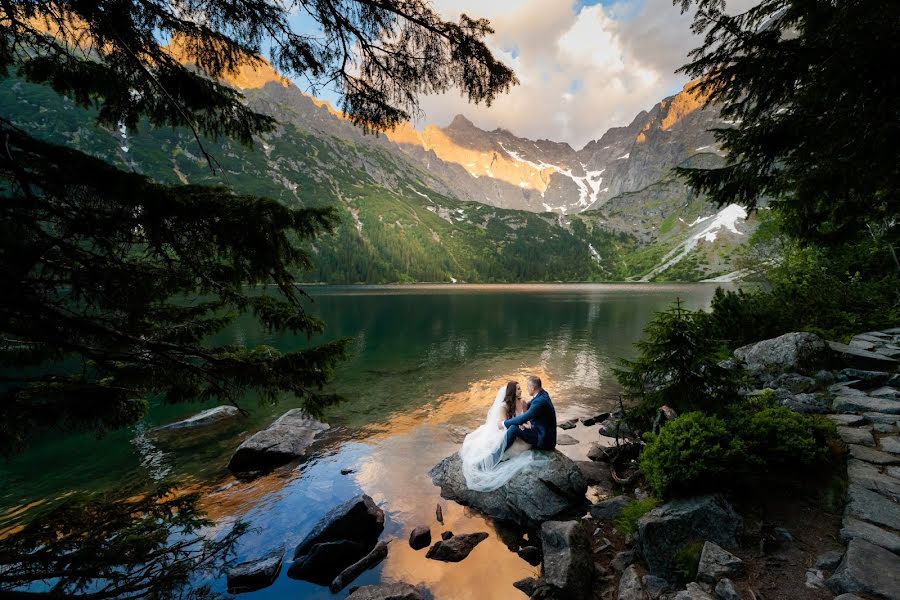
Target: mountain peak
459 121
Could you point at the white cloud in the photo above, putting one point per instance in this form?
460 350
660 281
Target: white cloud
582 70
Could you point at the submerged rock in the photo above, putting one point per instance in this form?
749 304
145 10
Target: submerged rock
255 574
386 591
568 564
665 529
326 560
420 538
528 586
536 494
202 420
281 442
358 519
456 548
570 424
378 554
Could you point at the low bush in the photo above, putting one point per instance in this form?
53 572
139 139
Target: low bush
631 513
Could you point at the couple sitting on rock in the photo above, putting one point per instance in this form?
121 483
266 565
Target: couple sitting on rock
511 438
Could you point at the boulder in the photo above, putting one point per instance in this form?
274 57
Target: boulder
622 560
283 441
890 444
854 528
869 569
597 452
358 519
595 473
870 506
378 554
694 591
716 563
325 561
608 510
568 564
615 426
857 358
829 561
725 590
666 528
255 574
630 586
799 352
420 538
794 382
810 404
531 555
842 420
537 493
202 420
870 477
570 424
386 591
866 378
456 548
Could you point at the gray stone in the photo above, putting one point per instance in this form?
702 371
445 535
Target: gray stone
716 563
202 420
655 586
885 392
825 377
608 510
795 382
255 574
615 426
630 587
815 579
597 452
854 528
869 569
863 404
858 358
568 564
872 507
570 424
694 591
419 538
892 472
870 477
666 528
537 493
283 441
884 428
725 590
847 420
828 561
595 473
370 560
877 417
869 378
386 591
856 435
622 560
797 351
862 344
357 519
890 444
564 439
806 403
872 455
847 597
456 548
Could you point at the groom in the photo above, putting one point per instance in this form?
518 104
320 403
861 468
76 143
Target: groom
541 414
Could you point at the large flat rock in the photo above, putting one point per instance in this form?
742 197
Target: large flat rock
854 528
871 455
869 569
538 493
283 441
862 403
870 506
870 477
857 358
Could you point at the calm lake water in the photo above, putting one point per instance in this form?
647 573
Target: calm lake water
426 363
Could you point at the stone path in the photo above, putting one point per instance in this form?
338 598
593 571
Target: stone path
867 412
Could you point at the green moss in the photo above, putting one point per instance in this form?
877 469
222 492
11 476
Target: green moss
631 513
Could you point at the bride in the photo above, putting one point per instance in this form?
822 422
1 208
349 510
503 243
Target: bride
483 466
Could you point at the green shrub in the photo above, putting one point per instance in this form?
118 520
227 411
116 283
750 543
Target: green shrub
756 442
631 513
687 560
691 454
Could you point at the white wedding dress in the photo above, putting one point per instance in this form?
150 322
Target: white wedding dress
482 471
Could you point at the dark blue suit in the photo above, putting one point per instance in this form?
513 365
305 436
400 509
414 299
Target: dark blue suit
542 415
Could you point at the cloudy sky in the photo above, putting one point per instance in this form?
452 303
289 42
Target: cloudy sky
584 65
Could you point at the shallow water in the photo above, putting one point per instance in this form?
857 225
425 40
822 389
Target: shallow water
426 364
